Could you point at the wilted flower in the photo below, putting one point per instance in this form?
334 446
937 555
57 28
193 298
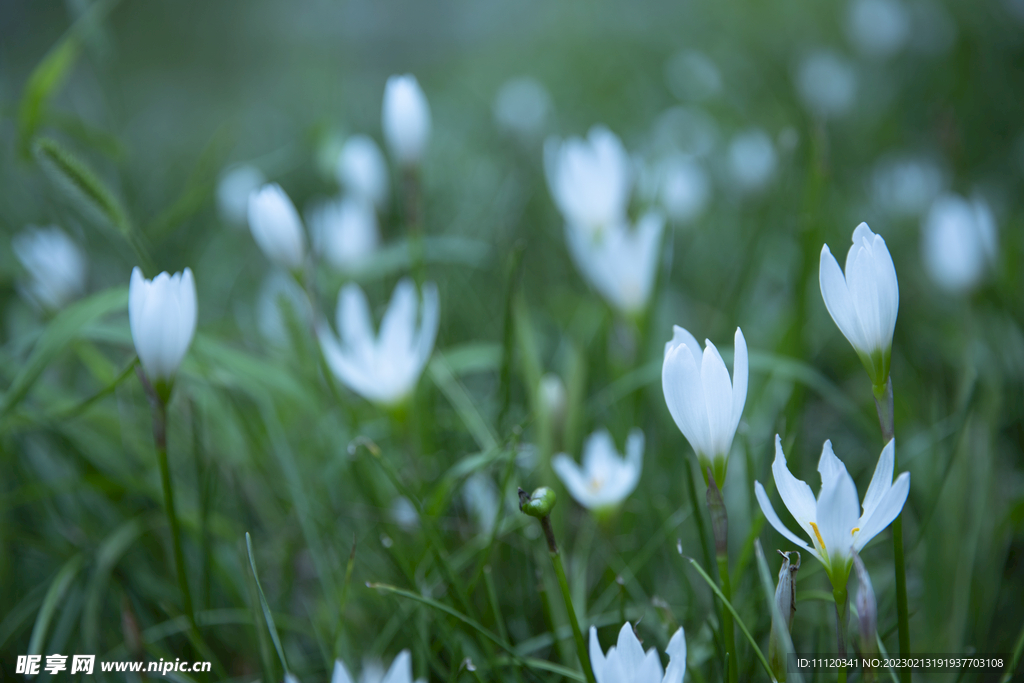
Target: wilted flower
826 82
384 369
626 661
162 316
785 603
864 302
958 241
345 231
233 190
590 180
833 521
373 672
752 160
362 169
276 227
56 266
405 119
521 106
684 188
703 401
879 28
620 262
606 478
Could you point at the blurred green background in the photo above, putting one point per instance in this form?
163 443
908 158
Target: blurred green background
866 121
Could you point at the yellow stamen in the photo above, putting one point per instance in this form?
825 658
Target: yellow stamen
855 530
821 541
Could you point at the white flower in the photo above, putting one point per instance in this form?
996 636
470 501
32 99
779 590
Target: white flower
879 28
958 241
233 192
551 392
703 401
362 169
621 262
162 316
384 369
521 106
276 227
56 266
405 119
345 232
270 316
482 500
626 661
684 189
606 478
834 522
864 302
826 83
752 160
590 180
373 672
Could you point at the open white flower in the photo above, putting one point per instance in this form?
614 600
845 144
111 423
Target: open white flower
276 227
345 231
621 261
405 119
590 180
384 369
626 661
836 523
362 169
373 672
162 316
864 302
606 478
56 266
704 402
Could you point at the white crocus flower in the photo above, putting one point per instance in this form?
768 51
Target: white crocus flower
836 523
958 241
276 227
405 119
606 478
864 302
384 369
590 180
362 169
56 266
162 316
345 232
373 672
620 262
703 401
626 661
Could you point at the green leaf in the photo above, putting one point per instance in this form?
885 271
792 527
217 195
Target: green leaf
48 76
264 604
58 587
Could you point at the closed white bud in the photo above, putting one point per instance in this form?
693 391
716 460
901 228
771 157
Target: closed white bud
345 232
522 106
867 608
276 227
55 264
162 315
362 169
233 190
752 160
405 119
959 242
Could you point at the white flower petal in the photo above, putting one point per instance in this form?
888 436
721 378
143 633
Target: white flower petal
839 301
887 509
881 480
718 399
739 378
401 669
574 479
597 659
340 674
795 494
676 652
684 395
773 519
838 514
829 466
628 648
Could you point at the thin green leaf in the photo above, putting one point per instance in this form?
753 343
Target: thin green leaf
264 604
58 587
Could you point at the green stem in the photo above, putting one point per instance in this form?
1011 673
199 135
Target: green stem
840 597
563 584
727 626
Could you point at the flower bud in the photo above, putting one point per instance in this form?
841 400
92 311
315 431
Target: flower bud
867 609
162 316
785 602
405 119
56 266
362 169
345 232
539 503
233 190
276 227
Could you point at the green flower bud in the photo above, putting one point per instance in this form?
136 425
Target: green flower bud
539 503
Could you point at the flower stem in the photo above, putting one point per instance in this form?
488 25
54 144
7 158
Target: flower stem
840 597
720 527
884 406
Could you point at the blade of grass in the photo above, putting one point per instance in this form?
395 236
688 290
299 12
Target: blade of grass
58 587
264 604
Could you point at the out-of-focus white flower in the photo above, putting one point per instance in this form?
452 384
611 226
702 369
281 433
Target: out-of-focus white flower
482 499
384 369
522 106
590 180
693 76
276 227
826 82
834 522
55 264
684 189
606 478
620 262
345 232
705 404
362 170
279 289
905 185
552 395
403 513
233 190
752 160
685 130
405 119
863 302
162 316
878 28
291 678
373 671
958 241
626 661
